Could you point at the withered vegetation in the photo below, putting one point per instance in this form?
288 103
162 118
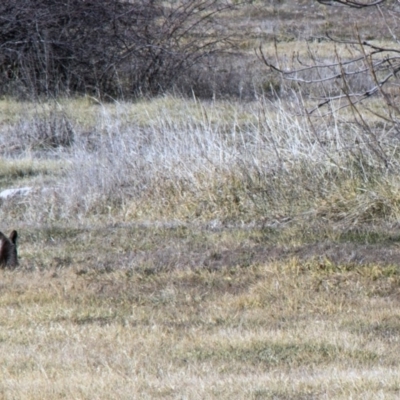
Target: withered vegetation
236 247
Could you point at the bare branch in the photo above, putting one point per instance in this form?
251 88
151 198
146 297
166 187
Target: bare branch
375 63
351 3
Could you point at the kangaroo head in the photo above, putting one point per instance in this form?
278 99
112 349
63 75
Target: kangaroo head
8 250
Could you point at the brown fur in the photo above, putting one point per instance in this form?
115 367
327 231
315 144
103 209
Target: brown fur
8 250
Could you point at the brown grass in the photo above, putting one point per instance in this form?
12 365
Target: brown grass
275 330
172 312
273 277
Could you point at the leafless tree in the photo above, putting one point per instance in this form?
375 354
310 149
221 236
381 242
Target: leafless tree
368 70
374 64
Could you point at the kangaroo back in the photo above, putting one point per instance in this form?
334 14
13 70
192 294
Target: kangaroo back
8 250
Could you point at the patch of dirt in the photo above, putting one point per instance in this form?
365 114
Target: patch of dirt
337 253
152 249
244 256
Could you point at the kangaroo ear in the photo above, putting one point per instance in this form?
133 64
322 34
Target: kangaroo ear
3 241
14 237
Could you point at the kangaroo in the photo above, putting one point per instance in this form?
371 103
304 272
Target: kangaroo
8 250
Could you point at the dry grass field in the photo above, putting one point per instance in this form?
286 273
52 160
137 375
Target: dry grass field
278 330
172 248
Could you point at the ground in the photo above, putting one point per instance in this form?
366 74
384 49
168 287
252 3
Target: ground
179 248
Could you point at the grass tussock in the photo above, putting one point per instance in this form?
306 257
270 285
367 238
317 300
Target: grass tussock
227 162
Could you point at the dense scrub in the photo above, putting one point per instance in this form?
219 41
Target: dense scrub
107 48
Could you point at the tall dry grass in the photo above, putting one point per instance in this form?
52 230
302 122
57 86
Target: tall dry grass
176 159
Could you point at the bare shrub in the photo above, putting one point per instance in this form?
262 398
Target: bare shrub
49 132
45 131
109 48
